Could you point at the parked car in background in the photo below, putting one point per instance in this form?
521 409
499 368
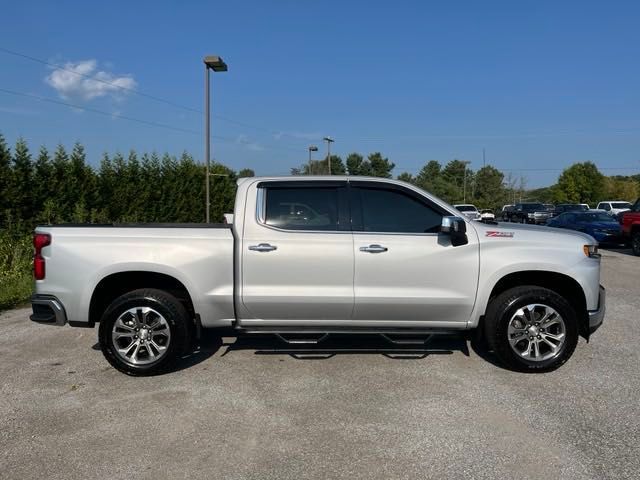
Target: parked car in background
530 213
630 225
487 214
614 207
586 206
507 212
598 224
569 207
468 210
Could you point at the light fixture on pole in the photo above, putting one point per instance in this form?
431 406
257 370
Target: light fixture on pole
329 141
215 63
312 148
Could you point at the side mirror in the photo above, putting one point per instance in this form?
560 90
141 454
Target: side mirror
456 228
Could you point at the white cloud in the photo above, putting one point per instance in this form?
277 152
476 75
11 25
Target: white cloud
244 140
82 80
299 135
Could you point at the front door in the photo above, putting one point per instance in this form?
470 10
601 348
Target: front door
405 270
297 254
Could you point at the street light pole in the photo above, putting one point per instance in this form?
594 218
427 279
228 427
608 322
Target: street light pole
216 64
464 182
207 140
329 141
312 148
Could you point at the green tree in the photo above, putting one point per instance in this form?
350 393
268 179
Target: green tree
430 178
22 183
5 181
321 167
620 189
406 177
380 166
580 183
62 183
489 187
357 165
246 172
42 174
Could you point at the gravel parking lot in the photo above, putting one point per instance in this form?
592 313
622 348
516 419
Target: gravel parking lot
256 408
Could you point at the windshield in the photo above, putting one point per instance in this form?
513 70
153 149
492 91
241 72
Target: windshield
533 207
570 208
595 217
621 205
467 208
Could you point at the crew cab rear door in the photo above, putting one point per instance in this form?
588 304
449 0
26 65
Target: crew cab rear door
297 254
405 270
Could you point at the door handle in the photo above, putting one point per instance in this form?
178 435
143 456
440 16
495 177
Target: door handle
374 249
263 247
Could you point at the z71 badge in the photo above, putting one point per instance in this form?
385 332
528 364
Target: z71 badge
494 233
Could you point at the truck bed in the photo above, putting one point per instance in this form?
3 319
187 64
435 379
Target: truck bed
200 256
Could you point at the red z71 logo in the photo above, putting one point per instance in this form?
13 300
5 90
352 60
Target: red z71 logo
494 233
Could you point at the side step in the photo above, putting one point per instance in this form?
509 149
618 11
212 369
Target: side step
313 336
301 339
403 339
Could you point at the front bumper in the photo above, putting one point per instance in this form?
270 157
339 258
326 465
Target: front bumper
48 309
596 317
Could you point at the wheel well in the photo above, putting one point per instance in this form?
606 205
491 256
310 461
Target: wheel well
563 285
114 285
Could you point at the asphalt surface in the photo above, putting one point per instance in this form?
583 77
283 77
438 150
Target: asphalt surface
255 409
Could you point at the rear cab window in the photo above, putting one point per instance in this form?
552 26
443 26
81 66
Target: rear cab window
304 206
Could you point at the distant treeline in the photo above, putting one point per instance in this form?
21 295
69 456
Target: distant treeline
60 186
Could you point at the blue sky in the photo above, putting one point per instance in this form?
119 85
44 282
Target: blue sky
539 85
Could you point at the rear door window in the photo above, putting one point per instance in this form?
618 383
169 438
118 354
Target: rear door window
303 207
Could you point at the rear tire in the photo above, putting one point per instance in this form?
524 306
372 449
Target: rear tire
145 331
531 329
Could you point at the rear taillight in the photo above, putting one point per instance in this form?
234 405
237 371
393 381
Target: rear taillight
40 240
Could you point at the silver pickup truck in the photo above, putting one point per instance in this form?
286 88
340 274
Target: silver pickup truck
319 255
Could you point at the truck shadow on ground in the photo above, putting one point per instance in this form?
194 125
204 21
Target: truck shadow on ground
340 344
227 343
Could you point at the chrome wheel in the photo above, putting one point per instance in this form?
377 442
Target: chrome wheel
141 336
536 332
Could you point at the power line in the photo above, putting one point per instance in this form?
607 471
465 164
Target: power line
138 92
94 78
99 112
138 120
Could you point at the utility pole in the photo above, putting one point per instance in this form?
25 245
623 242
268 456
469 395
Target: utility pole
329 141
484 160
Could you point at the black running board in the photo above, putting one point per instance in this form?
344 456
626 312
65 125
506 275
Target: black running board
315 335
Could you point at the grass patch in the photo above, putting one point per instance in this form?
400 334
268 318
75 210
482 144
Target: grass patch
16 280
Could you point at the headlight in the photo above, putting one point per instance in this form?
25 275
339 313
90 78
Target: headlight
591 251
532 215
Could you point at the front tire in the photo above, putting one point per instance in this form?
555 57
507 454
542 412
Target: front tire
144 332
531 329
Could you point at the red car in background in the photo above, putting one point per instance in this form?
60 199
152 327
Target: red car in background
631 227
